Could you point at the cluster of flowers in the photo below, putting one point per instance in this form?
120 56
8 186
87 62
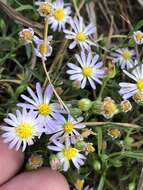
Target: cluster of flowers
40 116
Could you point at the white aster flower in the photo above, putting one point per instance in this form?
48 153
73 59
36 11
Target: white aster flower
138 37
40 102
26 35
67 153
24 127
60 15
80 34
124 57
89 70
129 89
67 130
43 51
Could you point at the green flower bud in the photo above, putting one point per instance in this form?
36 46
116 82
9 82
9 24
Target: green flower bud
75 112
117 163
128 141
96 107
80 145
54 162
132 186
84 104
96 165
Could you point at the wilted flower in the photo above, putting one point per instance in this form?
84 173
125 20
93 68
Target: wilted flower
110 70
80 33
126 106
43 50
124 57
129 89
109 108
25 126
34 162
89 148
67 153
89 70
45 8
60 15
138 96
114 133
138 37
26 35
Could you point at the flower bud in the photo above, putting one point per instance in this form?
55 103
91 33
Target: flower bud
55 162
128 141
132 186
76 84
80 145
34 162
75 112
96 165
84 104
96 107
126 106
138 97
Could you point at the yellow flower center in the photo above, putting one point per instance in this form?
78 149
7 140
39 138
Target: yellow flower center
68 127
45 9
115 133
126 106
81 37
70 153
24 130
79 184
44 109
27 35
59 14
126 55
43 49
87 71
138 96
139 36
110 108
140 84
36 160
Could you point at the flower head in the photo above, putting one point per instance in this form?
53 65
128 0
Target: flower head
80 33
124 57
34 162
138 37
126 106
60 15
24 127
44 8
89 70
109 108
67 130
42 50
114 133
129 89
26 35
40 102
67 153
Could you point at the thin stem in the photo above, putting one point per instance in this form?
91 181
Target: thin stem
76 8
127 125
103 87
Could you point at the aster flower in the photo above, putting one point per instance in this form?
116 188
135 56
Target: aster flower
40 102
123 57
66 130
23 128
60 15
129 89
26 35
114 133
34 162
126 106
89 70
138 37
43 51
80 33
109 108
44 8
67 153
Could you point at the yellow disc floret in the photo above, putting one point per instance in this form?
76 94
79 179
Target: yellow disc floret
140 84
139 36
81 37
115 133
45 9
126 55
44 109
43 49
26 35
87 71
68 127
70 153
24 131
59 14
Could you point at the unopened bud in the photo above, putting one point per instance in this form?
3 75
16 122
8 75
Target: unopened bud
84 104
